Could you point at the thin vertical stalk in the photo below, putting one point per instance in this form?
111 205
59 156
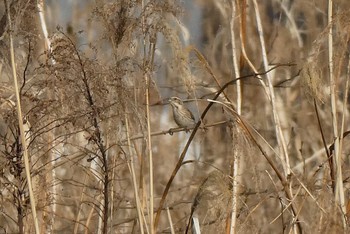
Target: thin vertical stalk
345 102
20 123
234 57
172 231
279 133
341 139
81 200
40 5
150 155
293 25
133 176
280 138
111 226
51 158
339 191
149 142
236 167
242 35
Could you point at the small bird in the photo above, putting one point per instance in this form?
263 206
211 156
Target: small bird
182 116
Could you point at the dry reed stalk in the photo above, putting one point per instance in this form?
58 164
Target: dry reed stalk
20 123
147 78
279 133
88 220
150 155
339 191
242 36
172 231
293 29
345 102
77 220
236 162
52 164
234 14
140 187
100 212
130 163
111 226
40 6
148 139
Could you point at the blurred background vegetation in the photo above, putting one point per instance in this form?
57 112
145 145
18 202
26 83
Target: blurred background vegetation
271 153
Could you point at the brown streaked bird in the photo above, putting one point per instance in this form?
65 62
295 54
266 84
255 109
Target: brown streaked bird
182 116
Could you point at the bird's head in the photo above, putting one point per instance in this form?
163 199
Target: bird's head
175 101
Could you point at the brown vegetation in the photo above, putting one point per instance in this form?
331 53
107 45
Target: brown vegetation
266 81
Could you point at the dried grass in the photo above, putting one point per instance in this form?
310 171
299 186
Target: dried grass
92 128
